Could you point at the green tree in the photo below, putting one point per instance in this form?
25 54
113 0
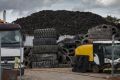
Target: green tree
112 19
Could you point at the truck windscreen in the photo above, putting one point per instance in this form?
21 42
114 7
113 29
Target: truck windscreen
10 37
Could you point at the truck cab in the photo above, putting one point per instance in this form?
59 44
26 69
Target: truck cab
11 46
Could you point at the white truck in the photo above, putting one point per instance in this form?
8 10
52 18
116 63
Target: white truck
11 46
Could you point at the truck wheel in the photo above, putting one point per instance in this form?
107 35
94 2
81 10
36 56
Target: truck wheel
95 68
26 51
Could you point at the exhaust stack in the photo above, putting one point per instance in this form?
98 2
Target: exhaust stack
4 15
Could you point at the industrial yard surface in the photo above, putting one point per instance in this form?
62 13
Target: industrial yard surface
61 74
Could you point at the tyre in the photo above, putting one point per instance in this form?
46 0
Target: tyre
45 49
43 57
45 33
85 65
95 68
75 64
64 65
45 64
81 64
27 61
44 41
26 51
85 41
61 58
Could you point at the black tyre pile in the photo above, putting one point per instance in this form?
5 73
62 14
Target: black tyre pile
102 32
45 49
65 22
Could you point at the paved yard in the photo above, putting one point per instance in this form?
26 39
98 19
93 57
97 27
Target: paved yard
60 74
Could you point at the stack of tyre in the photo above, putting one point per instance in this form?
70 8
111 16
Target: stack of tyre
45 48
102 32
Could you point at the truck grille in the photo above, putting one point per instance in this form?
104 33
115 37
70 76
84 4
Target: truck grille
7 66
9 58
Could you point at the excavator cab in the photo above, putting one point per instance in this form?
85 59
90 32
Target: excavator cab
96 57
104 51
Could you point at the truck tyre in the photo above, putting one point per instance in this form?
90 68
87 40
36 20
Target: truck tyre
44 41
43 57
27 59
95 68
45 33
45 49
26 51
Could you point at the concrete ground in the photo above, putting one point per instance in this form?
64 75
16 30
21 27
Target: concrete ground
61 74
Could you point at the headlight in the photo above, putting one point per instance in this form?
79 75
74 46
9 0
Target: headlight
5 61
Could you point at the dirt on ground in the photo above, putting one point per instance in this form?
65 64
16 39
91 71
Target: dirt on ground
61 74
114 78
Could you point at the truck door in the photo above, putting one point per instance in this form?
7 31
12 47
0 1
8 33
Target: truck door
99 50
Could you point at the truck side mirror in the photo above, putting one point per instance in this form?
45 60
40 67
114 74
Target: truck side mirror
23 38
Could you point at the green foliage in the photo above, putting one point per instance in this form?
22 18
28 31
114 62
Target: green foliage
112 19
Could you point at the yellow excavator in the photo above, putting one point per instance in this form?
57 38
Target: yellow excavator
96 57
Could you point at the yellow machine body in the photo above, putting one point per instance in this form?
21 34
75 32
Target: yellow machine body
85 50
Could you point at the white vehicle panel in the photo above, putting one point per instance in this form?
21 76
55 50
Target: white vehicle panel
105 42
11 52
96 59
116 61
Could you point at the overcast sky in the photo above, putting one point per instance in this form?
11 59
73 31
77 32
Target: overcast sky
20 8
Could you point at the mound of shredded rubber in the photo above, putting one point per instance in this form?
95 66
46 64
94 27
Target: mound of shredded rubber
65 22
